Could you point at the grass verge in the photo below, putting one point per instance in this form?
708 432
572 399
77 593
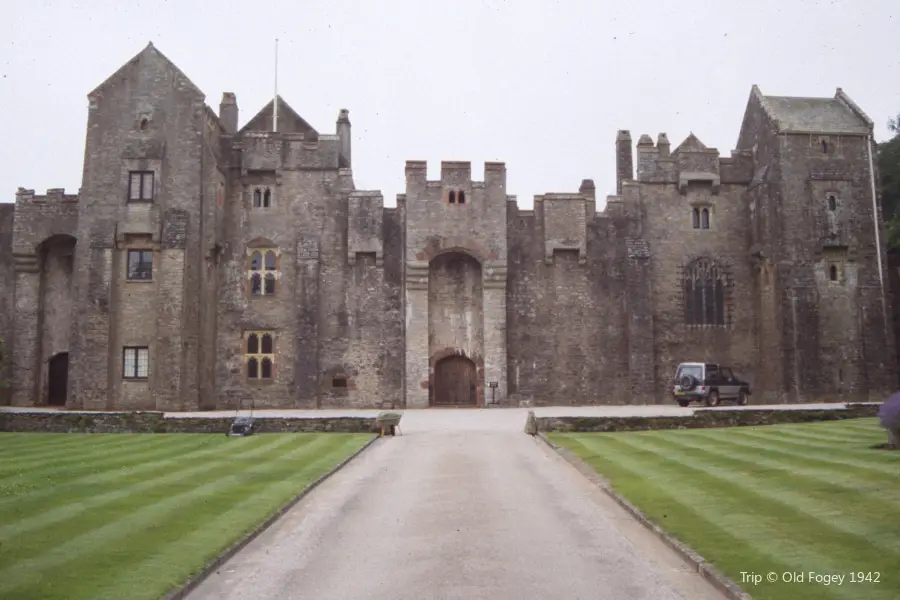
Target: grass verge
816 500
133 516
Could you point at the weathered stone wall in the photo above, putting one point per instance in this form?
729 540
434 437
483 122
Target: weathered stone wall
156 422
702 419
7 300
567 307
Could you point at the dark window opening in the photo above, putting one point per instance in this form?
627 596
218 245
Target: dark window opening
704 219
257 198
135 362
840 376
462 197
270 284
696 218
267 198
704 294
825 146
833 272
832 202
144 124
260 355
452 197
256 284
140 265
140 186
339 381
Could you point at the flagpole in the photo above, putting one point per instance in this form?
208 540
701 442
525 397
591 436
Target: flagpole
275 98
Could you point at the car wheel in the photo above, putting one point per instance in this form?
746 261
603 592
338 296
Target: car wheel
683 403
712 399
742 398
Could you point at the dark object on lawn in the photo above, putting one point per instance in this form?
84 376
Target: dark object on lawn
241 426
889 415
388 422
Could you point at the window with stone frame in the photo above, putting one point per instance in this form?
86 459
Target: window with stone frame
262 197
704 286
262 271
260 354
135 362
700 217
140 186
140 265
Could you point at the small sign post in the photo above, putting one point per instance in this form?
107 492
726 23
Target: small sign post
493 385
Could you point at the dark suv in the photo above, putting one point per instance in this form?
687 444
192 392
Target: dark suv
708 382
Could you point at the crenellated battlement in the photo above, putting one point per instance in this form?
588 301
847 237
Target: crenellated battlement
53 195
455 173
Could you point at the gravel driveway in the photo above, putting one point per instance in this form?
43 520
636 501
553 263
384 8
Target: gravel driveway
479 511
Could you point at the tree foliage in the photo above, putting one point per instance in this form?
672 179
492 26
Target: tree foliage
889 170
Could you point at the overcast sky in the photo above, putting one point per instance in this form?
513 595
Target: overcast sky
540 85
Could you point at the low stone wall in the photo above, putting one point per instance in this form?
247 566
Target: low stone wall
156 422
705 419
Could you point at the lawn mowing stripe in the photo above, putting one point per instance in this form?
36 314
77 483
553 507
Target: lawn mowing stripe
51 466
122 530
839 430
196 542
169 471
818 467
850 440
719 525
39 454
819 502
788 505
122 467
802 449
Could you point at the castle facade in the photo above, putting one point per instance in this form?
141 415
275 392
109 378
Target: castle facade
202 265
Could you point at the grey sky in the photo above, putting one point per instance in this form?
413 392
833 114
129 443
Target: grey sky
540 85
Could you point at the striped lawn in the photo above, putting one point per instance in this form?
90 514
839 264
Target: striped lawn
783 498
132 516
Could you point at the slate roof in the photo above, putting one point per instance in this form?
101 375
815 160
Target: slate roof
826 115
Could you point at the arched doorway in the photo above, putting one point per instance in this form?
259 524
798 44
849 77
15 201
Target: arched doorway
58 379
455 382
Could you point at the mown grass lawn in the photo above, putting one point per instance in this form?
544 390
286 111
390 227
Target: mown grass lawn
131 516
783 498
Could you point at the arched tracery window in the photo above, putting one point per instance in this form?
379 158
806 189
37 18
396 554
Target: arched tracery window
263 271
260 354
704 286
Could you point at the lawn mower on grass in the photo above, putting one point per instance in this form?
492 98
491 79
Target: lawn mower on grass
241 426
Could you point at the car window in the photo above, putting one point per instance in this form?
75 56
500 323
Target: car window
693 370
727 373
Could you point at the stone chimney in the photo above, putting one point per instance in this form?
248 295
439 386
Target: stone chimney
228 112
624 159
343 132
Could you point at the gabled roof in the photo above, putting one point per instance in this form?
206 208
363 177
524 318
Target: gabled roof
149 53
288 119
794 114
691 144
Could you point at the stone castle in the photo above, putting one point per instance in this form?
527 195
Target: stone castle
203 265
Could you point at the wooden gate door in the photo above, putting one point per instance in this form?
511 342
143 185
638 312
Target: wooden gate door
454 382
58 375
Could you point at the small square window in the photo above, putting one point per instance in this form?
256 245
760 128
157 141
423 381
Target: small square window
140 265
135 362
339 381
140 186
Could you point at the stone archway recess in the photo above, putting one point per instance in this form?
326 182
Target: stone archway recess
455 382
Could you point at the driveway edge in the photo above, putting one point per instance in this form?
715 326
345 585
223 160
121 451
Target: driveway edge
706 570
208 569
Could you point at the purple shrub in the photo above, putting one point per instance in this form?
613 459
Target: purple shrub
889 416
